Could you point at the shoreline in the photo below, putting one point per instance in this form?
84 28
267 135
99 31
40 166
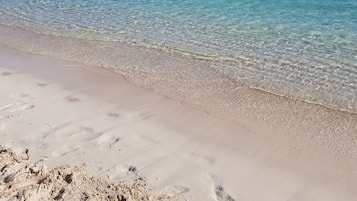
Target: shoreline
213 92
155 59
69 113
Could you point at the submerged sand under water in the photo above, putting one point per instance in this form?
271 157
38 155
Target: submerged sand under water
298 49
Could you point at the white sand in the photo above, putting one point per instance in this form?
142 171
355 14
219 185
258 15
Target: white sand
66 113
21 179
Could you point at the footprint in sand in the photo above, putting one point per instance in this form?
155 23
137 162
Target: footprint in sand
200 158
74 137
219 192
72 99
5 73
174 191
136 117
113 115
41 84
108 142
22 96
15 109
113 141
65 150
2 126
68 152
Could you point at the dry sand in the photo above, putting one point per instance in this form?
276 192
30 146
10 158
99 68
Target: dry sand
61 113
21 179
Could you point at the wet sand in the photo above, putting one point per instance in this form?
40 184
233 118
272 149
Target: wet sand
67 114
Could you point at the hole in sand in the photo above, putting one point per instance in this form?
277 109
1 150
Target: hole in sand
60 195
68 178
132 169
85 196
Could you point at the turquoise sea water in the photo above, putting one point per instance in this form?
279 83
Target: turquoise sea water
301 49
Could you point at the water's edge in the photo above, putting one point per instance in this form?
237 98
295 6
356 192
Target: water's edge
107 52
181 79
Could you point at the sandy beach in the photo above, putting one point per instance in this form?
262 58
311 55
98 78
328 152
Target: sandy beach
95 125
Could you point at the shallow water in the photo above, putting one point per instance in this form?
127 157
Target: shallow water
299 49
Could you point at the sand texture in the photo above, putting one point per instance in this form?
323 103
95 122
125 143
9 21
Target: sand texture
58 115
21 179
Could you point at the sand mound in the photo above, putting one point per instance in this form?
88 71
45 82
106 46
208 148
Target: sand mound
21 179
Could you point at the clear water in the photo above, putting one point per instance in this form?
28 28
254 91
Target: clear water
301 49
